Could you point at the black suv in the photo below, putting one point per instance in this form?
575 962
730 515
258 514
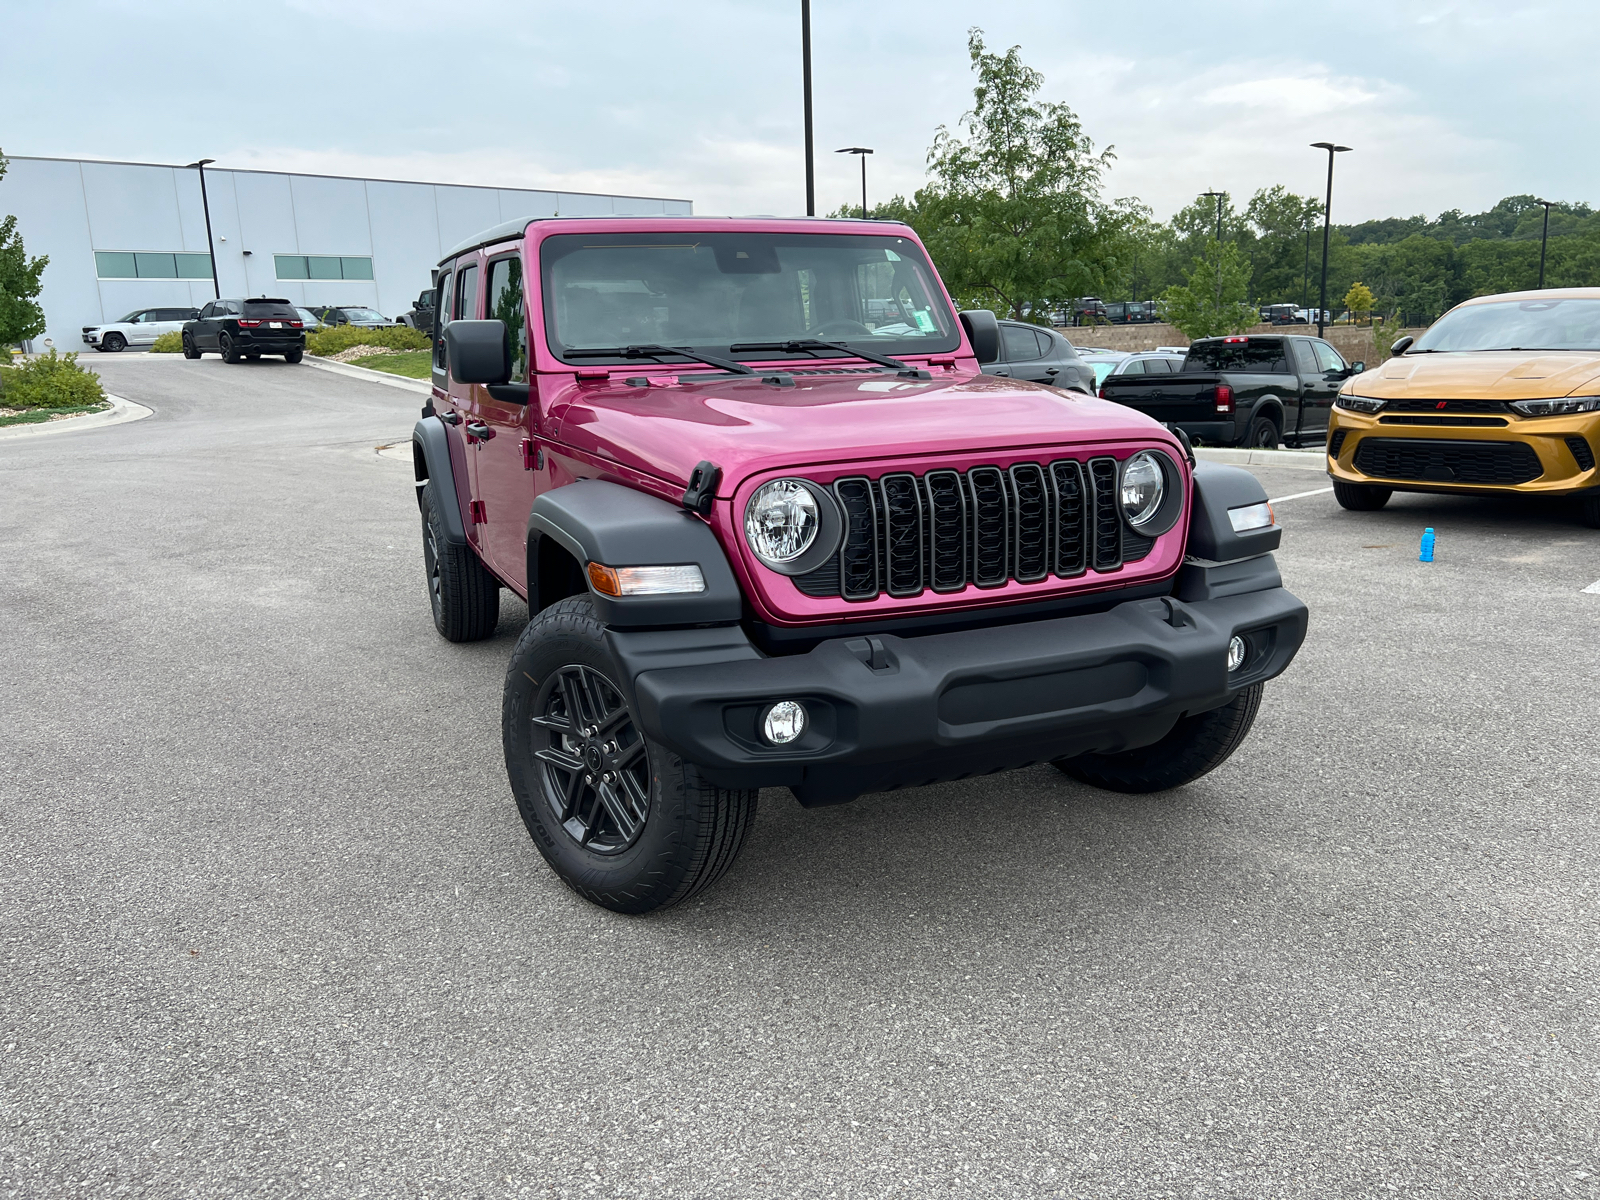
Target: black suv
246 328
1040 355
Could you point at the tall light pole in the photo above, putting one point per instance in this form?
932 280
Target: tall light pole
861 152
1544 237
805 73
1327 211
211 247
1219 196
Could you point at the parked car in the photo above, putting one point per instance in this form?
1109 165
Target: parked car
1101 362
421 314
1497 397
1145 362
139 328
346 314
1243 391
764 546
1041 355
1282 314
1088 310
1129 312
246 327
309 321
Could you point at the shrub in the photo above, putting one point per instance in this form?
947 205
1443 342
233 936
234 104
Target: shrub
168 343
342 337
51 381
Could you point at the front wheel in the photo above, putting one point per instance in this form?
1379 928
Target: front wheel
1360 497
1589 510
114 342
1194 746
622 820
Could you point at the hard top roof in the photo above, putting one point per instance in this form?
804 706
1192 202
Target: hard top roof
511 229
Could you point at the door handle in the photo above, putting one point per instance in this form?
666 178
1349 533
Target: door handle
450 417
477 429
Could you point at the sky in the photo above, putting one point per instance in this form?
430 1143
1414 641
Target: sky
1446 103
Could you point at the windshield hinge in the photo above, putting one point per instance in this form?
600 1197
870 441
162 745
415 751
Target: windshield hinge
702 489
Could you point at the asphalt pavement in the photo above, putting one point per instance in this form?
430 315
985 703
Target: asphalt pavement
271 925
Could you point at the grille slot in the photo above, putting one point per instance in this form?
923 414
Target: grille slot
1448 406
1419 419
946 530
1441 461
1337 443
1582 452
1107 522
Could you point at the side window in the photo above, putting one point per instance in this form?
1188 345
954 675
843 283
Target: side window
442 309
1327 357
1136 367
505 304
1305 361
230 308
466 295
1157 366
1018 343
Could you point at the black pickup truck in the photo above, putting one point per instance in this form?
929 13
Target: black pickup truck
1243 391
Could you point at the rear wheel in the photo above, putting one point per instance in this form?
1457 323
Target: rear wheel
293 356
622 820
114 342
230 352
189 348
464 596
1263 434
1360 497
1194 746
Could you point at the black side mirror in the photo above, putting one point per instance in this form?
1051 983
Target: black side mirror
983 331
1401 345
478 351
1357 367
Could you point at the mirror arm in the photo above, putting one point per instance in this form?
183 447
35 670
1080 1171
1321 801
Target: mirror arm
509 393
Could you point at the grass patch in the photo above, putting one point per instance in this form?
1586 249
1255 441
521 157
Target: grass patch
413 364
40 415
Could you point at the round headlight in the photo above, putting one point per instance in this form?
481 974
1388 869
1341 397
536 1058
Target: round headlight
781 521
1144 486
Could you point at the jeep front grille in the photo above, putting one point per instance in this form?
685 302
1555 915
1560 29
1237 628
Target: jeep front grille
944 530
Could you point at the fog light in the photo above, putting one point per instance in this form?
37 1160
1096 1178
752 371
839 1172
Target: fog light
1236 653
784 722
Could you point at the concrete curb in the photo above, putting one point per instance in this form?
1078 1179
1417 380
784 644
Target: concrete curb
120 413
419 386
1304 460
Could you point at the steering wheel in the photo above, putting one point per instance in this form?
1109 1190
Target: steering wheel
842 327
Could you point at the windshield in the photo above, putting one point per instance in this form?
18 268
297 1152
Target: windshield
710 291
361 314
309 317
1101 370
1516 325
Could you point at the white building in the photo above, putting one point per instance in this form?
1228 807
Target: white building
125 236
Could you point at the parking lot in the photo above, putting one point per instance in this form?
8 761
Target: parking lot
272 925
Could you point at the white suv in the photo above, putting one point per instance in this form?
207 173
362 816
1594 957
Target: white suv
138 328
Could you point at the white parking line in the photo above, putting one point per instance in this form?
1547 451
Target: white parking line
1594 588
1301 495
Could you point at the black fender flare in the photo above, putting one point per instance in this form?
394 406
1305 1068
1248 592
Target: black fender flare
1269 405
600 522
430 457
1218 560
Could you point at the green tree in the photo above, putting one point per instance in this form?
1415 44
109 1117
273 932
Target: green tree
1283 225
1012 212
20 315
1212 300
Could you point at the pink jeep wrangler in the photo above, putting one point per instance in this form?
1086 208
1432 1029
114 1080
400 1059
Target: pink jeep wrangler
775 528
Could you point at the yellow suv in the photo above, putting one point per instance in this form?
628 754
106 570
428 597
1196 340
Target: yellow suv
1500 396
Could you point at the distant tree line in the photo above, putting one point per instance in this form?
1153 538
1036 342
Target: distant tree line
1015 217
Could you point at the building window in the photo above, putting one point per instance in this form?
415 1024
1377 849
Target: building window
119 264
322 266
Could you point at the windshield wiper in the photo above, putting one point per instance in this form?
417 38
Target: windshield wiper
795 345
653 351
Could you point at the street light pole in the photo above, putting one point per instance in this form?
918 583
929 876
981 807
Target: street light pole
1544 237
1327 212
862 152
211 246
1219 196
805 72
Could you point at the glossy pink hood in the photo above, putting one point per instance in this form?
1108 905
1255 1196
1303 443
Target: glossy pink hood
746 426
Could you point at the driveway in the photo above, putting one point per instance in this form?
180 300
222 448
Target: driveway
272 926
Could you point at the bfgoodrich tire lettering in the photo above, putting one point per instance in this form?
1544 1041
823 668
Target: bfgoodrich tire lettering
1194 746
464 596
564 722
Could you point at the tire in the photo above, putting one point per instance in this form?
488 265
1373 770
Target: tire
464 596
1360 497
189 350
655 834
1589 510
294 356
1194 746
230 352
1263 434
114 343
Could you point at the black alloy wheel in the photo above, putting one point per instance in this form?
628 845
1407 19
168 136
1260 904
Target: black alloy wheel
596 772
1263 434
189 349
114 342
230 352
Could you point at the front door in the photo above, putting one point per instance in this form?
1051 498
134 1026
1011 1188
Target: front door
1334 371
501 433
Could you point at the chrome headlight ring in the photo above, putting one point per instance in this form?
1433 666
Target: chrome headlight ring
792 526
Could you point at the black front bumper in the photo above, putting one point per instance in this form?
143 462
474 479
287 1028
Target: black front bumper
888 712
